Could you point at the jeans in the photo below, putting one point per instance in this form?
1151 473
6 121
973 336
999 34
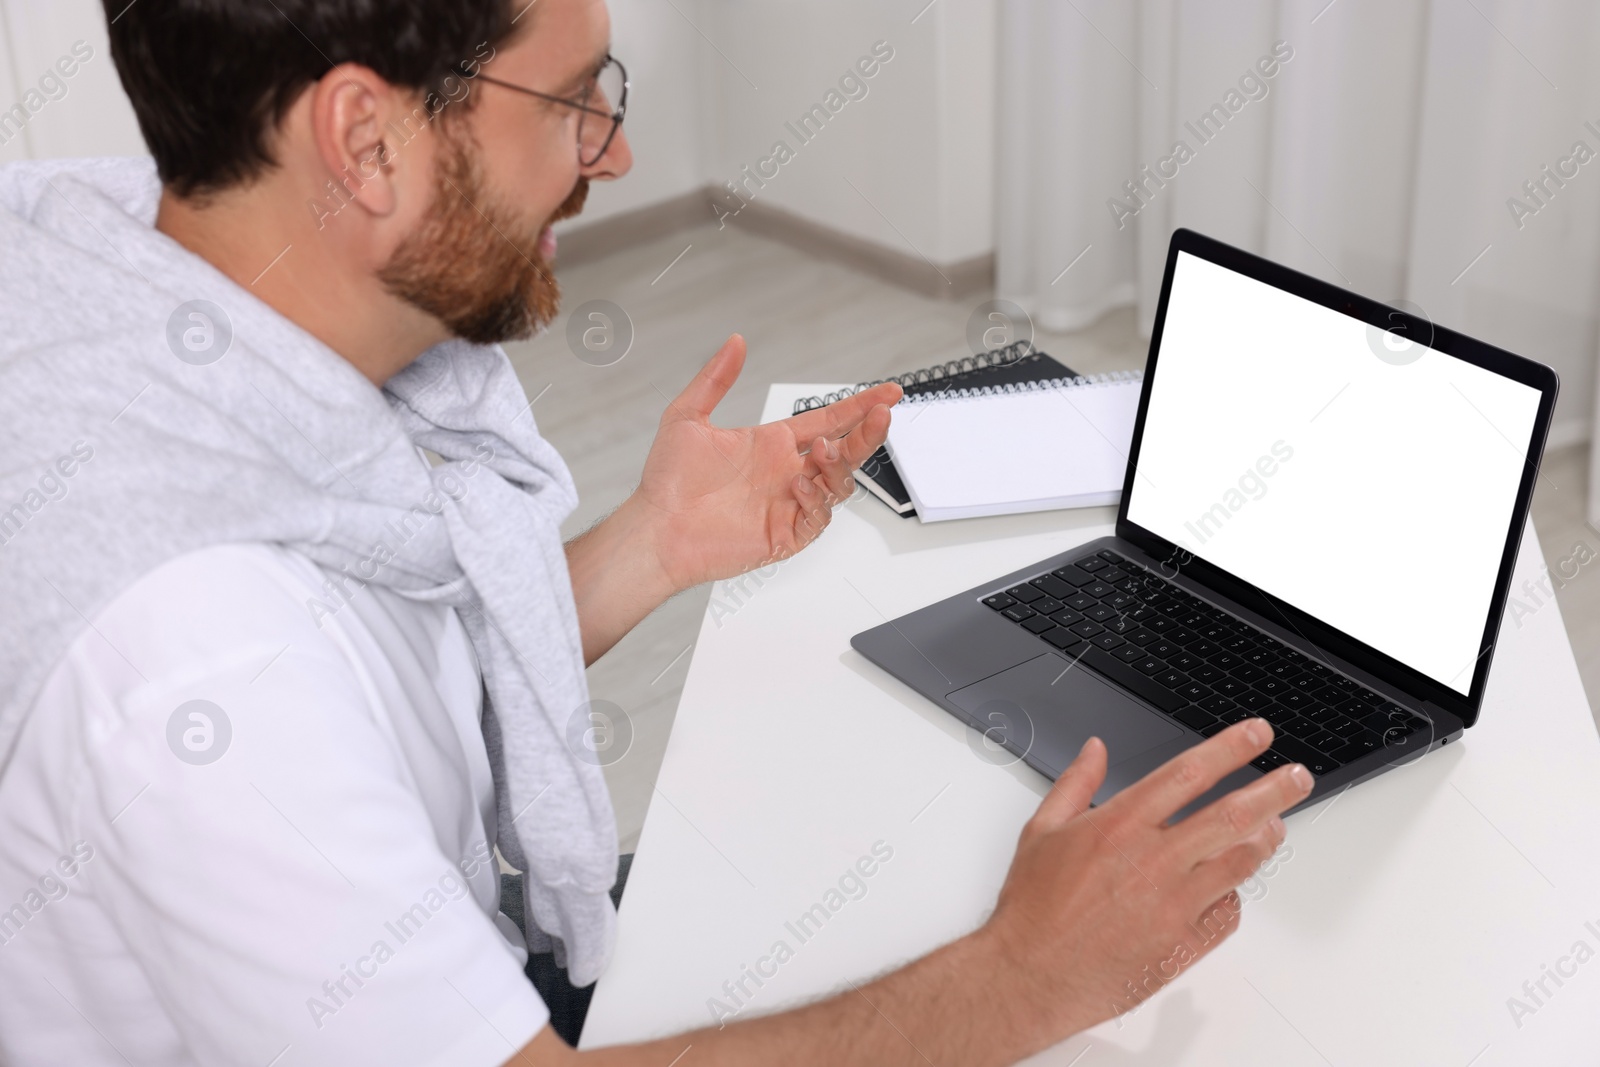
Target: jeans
568 1004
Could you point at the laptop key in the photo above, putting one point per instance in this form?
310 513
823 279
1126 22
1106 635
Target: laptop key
1172 679
1143 637
1301 727
1109 641
1100 613
1207 674
1110 556
1299 752
1149 665
1038 624
1325 742
1217 704
1025 593
1253 700
1351 752
1194 718
1183 661
1065 640
1132 680
1066 617
1129 653
999 601
1052 586
1345 727
1214 729
1098 590
1093 565
1018 613
1087 629
1074 576
1320 713
1047 606
1193 691
1161 624
1079 602
1269 761
1112 575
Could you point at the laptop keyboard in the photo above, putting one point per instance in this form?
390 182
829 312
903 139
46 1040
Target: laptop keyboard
1201 666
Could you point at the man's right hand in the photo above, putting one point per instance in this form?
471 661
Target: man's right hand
1102 907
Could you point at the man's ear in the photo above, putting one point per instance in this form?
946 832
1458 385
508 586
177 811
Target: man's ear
350 106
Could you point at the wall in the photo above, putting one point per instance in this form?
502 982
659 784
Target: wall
93 117
666 106
908 166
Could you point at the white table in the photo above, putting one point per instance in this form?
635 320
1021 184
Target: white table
1410 910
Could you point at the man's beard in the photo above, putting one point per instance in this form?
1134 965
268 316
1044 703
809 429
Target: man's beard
473 264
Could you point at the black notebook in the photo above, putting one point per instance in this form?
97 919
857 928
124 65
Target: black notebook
1014 364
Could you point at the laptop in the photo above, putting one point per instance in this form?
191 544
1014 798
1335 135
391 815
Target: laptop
1322 507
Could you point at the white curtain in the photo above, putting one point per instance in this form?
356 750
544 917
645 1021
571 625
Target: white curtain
1382 155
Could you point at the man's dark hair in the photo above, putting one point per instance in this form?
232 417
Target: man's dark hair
210 80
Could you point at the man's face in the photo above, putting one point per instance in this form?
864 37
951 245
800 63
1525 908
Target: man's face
505 170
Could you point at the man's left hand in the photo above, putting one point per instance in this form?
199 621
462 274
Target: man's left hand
721 502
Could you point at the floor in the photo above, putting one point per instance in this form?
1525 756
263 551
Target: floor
810 320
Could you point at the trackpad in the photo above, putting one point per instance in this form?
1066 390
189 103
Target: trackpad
1046 708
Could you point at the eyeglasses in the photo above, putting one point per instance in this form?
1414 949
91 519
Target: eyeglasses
594 104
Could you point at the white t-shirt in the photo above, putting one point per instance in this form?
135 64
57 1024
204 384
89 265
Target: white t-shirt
303 877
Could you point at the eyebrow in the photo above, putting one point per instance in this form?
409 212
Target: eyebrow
577 81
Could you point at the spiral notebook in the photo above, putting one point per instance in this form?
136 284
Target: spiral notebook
1031 446
1013 364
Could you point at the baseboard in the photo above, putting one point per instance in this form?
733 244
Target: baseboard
590 241
948 281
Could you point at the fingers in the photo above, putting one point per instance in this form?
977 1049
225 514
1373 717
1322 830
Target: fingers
1217 920
814 514
838 419
1069 797
1242 814
707 388
1161 793
1234 864
855 447
833 471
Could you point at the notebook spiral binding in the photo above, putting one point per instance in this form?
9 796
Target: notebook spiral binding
1079 382
998 357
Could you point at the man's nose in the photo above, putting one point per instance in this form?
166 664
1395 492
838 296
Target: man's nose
616 162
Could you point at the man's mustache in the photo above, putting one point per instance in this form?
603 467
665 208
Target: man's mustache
573 204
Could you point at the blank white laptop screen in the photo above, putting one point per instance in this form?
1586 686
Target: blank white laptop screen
1372 493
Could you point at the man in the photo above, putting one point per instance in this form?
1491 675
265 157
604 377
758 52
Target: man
274 686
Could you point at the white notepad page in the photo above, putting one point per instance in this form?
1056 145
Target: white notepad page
1064 445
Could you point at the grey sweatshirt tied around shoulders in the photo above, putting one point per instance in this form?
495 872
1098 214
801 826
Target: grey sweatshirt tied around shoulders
151 407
